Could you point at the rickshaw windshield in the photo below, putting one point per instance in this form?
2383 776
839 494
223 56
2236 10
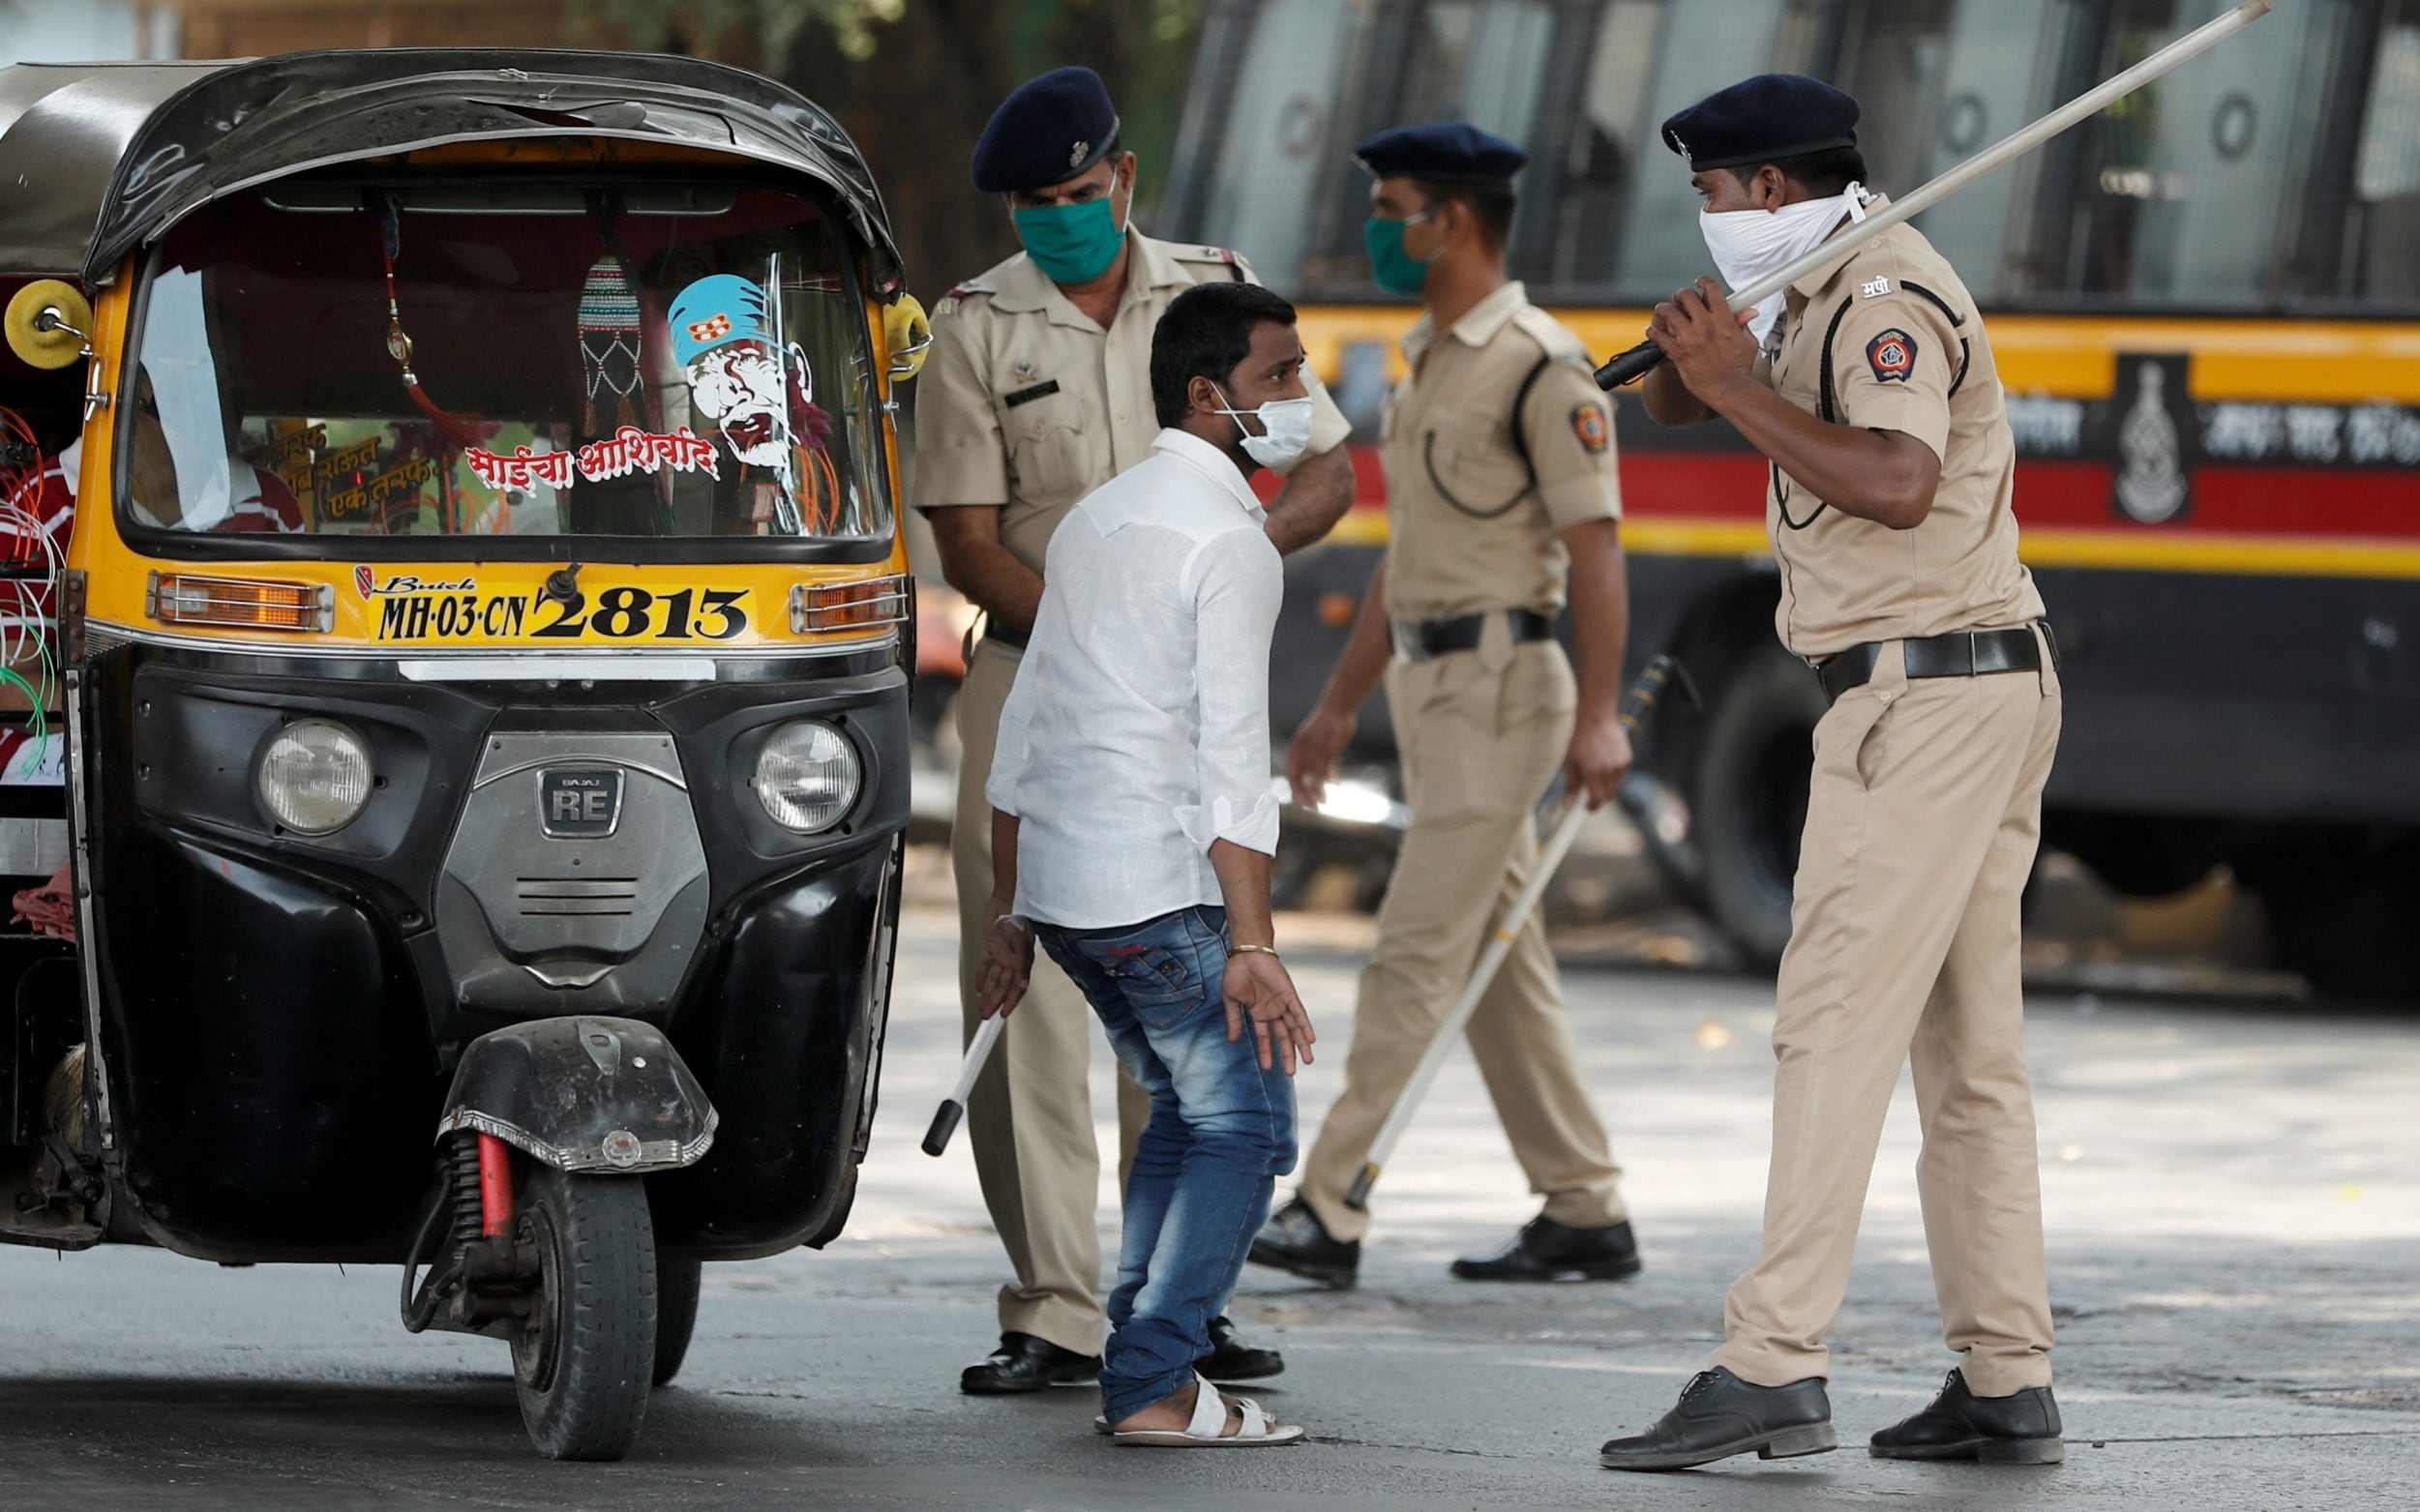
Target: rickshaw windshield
481 359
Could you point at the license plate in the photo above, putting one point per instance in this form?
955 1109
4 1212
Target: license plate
580 803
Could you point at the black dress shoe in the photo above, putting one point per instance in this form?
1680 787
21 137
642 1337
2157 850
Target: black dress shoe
2019 1429
1720 1415
1545 1250
1229 1361
1292 1241
1025 1363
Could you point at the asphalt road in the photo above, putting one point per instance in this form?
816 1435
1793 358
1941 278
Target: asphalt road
2233 1196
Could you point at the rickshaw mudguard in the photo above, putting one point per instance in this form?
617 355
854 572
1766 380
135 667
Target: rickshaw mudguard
587 1094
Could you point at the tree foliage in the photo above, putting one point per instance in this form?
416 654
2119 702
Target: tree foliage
914 80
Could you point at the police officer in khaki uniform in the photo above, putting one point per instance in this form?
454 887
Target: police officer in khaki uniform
1890 505
1500 486
1037 390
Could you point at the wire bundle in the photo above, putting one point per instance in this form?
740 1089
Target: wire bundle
32 558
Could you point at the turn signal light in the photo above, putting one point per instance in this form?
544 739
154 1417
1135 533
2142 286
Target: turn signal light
241 603
868 604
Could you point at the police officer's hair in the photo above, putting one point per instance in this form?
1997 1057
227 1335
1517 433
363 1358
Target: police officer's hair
1491 201
1206 333
1824 172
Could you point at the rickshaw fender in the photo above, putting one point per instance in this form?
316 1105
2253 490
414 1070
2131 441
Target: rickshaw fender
594 1095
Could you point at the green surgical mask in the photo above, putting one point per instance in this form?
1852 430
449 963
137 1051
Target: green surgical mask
1396 270
1071 244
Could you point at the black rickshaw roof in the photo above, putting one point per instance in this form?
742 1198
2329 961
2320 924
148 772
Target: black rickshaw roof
97 159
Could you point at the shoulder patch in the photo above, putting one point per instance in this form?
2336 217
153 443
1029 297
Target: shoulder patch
1588 423
1874 289
1892 355
961 296
1227 260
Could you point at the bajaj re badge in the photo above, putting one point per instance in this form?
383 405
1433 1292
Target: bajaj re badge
580 803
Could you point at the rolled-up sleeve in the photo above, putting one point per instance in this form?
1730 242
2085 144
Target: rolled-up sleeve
1238 586
1330 429
1013 749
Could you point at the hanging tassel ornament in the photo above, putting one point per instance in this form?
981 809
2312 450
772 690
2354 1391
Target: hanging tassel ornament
460 431
608 347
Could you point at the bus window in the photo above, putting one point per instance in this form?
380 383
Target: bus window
1891 59
1613 142
1996 67
2386 174
1703 48
1481 61
1278 134
2183 183
1936 81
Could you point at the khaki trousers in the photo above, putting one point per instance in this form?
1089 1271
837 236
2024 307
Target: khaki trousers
1922 822
1481 733
1031 1116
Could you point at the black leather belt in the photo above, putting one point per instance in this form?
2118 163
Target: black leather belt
1424 640
1971 653
993 630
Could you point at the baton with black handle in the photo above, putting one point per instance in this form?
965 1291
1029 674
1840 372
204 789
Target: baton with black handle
1640 360
954 1106
1636 704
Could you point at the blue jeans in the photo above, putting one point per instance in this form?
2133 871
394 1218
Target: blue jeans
1221 1133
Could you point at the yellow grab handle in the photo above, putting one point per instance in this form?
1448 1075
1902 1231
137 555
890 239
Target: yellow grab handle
46 323
907 333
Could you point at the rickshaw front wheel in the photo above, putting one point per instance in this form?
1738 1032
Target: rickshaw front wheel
584 1357
676 1282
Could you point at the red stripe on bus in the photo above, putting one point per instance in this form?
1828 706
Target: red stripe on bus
2367 503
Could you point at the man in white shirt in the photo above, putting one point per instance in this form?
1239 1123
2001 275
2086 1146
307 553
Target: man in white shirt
1132 827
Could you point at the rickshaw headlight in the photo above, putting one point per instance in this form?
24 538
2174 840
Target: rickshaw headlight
808 777
315 778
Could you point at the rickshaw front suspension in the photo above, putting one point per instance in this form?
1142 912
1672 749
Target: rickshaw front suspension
485 1276
495 1186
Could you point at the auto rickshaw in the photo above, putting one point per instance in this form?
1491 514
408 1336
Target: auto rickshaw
482 653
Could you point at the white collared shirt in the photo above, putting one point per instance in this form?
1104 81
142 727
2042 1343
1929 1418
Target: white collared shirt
1137 733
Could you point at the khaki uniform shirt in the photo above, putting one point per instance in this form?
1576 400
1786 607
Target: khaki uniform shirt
1027 404
1472 526
1909 354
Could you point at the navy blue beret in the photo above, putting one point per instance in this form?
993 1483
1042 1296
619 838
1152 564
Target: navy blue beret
1761 120
1047 131
1446 150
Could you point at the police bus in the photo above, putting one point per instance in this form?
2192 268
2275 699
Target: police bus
2206 308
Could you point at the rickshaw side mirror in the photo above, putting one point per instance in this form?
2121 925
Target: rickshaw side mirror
46 323
907 333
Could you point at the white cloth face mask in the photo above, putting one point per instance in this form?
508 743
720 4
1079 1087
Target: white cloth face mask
1748 244
1287 423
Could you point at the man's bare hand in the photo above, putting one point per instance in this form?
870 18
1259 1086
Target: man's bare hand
1707 342
1008 960
1599 760
1311 756
1259 993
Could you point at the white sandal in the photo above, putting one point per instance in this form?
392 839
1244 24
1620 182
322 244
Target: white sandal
1258 1431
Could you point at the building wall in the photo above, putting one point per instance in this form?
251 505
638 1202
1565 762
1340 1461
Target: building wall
84 31
253 28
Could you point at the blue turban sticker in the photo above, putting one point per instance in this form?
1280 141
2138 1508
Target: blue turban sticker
716 311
